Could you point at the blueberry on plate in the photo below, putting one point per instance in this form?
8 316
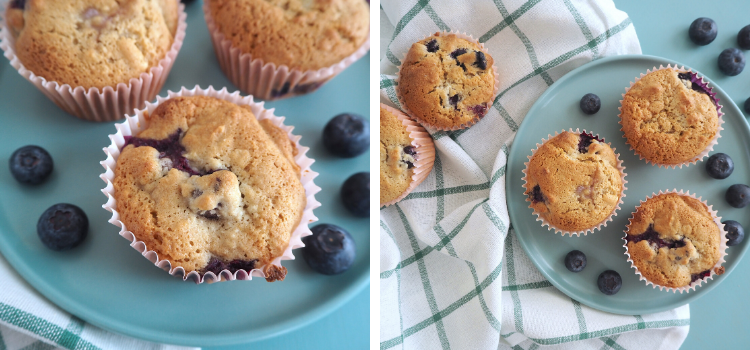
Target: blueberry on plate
731 61
330 249
738 195
355 193
609 282
575 261
743 38
719 166
735 232
703 31
590 103
62 226
31 165
347 135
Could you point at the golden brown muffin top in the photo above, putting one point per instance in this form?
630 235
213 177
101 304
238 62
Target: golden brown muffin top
673 240
93 43
207 185
301 34
573 181
667 121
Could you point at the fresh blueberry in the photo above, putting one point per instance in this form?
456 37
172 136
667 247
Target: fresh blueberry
347 135
609 282
355 193
31 165
743 38
703 31
590 103
575 261
62 226
738 195
719 166
330 250
731 61
735 232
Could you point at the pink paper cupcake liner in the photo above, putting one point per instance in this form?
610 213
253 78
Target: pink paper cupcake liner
695 79
134 124
716 270
598 226
112 102
265 80
489 104
425 147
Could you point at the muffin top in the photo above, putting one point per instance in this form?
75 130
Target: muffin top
209 187
300 34
573 181
673 240
446 81
668 118
397 157
92 43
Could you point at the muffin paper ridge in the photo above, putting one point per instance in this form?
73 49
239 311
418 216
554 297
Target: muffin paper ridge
722 245
425 147
138 122
112 102
695 77
259 78
598 226
495 90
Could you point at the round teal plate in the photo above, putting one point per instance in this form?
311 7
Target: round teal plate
109 284
556 110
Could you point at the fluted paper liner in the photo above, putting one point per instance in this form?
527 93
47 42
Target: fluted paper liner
698 80
112 102
138 122
722 245
489 104
266 80
598 226
423 144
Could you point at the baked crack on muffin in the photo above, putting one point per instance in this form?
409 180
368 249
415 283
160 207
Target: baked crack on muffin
209 187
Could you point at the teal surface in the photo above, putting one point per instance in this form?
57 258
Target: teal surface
107 283
558 109
720 320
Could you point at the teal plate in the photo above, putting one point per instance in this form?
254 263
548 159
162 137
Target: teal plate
107 283
556 110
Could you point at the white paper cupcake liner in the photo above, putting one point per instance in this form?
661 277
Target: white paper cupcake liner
266 80
425 147
697 79
138 122
476 119
112 102
717 269
598 226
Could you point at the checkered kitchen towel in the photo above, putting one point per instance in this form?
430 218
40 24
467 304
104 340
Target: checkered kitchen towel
28 321
452 276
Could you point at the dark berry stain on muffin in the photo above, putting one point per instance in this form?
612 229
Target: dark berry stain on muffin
455 54
481 61
18 4
453 100
168 148
281 92
690 78
410 150
432 46
585 141
696 276
652 237
479 110
306 88
216 266
536 195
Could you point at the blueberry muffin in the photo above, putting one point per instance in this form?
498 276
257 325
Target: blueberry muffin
669 117
397 157
673 240
446 82
574 182
92 43
303 35
209 187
